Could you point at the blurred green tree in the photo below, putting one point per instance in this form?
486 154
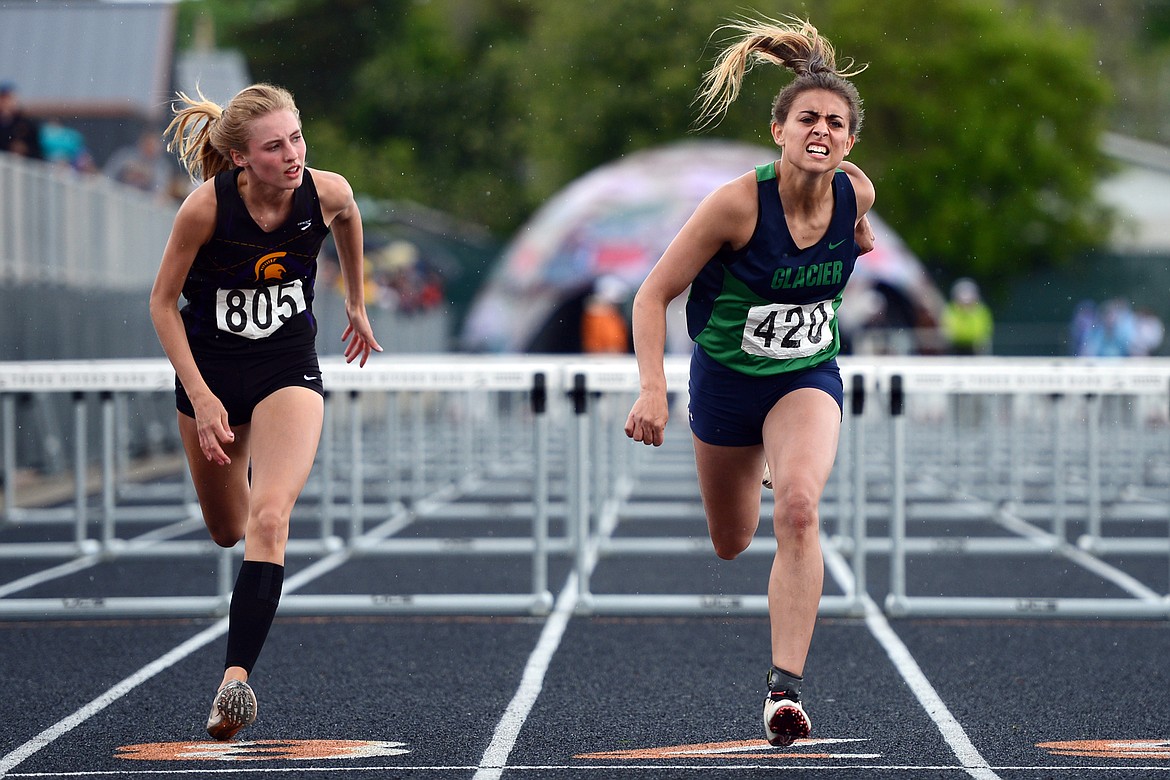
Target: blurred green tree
984 129
983 120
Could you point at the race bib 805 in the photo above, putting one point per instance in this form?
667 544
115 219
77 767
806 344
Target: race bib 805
788 330
257 313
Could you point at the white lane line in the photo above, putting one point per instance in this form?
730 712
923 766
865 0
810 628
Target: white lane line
491 765
86 561
50 574
164 662
1092 563
975 764
71 722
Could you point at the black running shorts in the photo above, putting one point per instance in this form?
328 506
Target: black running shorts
241 381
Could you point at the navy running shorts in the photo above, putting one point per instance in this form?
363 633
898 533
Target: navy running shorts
241 381
728 407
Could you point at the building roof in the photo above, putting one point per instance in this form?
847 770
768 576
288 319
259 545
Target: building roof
88 58
1139 193
217 73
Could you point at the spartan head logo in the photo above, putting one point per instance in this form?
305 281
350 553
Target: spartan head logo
269 267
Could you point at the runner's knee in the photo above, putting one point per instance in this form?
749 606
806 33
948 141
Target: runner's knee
795 512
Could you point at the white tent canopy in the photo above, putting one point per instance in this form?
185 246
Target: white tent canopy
617 220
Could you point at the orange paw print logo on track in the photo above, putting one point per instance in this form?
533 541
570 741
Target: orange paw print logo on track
1149 749
262 750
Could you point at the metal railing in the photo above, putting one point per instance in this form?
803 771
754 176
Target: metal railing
77 230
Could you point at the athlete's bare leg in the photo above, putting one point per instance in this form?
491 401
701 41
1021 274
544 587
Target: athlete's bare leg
800 438
280 444
729 482
285 431
222 490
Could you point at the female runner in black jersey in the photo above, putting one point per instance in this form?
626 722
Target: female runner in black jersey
766 257
243 253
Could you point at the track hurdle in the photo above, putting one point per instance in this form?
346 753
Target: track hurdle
1066 460
610 468
1047 399
106 382
445 438
456 446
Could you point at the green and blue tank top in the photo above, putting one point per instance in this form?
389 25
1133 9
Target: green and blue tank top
770 306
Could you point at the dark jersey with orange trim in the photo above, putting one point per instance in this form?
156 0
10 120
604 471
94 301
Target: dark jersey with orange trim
771 306
253 290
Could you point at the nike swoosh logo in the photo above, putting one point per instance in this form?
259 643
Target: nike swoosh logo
309 378
839 243
305 225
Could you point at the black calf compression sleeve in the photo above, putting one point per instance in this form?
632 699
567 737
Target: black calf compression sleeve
254 601
784 683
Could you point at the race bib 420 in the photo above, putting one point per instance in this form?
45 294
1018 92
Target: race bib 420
257 313
788 330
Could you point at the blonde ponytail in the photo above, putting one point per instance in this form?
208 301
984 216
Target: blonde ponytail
795 45
202 134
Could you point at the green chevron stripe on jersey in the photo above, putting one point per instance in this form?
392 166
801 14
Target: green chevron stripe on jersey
762 338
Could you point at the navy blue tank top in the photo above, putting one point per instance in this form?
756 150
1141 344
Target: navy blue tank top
770 306
253 290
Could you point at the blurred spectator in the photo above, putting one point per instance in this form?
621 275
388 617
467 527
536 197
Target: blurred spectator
604 327
143 165
1114 329
399 279
878 318
66 147
967 323
1148 333
19 133
1081 327
1112 335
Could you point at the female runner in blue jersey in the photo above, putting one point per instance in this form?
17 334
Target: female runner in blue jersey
243 253
766 257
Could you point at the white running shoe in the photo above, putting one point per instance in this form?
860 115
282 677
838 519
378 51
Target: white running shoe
233 709
785 721
767 477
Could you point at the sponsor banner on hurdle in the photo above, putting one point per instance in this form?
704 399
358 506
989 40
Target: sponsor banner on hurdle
440 372
47 376
1026 376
